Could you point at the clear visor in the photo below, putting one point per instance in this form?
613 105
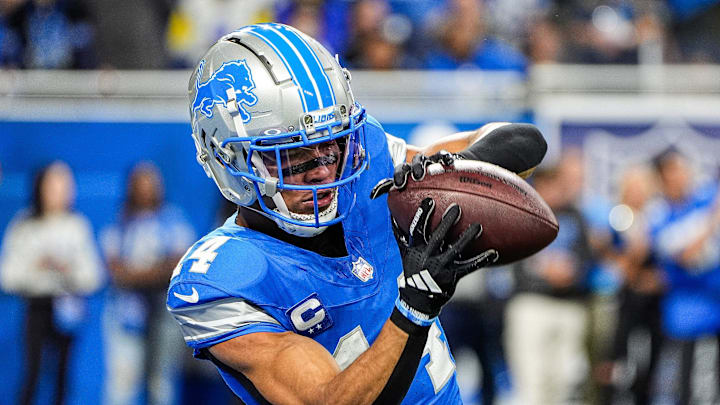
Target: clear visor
315 164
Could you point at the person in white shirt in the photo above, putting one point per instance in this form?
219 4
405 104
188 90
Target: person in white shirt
49 258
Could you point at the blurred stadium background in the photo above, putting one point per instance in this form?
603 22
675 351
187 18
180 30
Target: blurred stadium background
102 86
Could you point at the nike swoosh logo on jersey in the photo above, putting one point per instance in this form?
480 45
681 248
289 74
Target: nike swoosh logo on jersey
192 298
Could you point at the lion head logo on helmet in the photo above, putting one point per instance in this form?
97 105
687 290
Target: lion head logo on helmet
213 91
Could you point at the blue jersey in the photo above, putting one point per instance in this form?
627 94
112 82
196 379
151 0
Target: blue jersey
691 307
675 225
237 281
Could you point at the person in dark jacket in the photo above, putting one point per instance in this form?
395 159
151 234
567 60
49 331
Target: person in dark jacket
546 320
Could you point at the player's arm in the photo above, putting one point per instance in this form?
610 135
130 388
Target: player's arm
453 143
288 368
516 147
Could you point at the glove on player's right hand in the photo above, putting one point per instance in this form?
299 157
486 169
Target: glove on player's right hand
415 169
432 269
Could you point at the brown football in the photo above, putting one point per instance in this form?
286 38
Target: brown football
516 220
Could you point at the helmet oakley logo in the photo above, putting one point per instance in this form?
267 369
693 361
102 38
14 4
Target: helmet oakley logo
233 74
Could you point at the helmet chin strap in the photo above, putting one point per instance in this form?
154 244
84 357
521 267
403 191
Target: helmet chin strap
303 231
298 230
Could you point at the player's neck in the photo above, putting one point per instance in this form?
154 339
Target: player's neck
330 243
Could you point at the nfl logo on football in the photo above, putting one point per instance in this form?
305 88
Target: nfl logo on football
362 269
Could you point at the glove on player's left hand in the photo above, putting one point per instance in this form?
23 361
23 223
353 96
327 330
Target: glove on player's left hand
432 268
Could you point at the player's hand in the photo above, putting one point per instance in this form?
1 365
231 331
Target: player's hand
431 267
415 170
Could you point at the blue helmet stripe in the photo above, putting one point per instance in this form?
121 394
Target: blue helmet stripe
284 61
291 59
313 63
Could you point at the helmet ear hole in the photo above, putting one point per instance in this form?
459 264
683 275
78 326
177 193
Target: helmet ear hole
211 146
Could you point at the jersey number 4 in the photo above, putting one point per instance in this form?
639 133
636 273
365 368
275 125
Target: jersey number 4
203 256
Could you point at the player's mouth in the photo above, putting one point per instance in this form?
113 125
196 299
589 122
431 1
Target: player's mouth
324 198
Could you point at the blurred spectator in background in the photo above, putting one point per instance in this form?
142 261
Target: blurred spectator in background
696 30
474 324
513 20
633 366
601 33
603 277
325 20
46 34
544 44
686 239
49 258
194 25
307 16
11 47
377 51
130 33
610 32
367 18
546 321
464 42
142 249
377 39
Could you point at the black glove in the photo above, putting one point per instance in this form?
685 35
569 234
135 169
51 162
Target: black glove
415 169
432 269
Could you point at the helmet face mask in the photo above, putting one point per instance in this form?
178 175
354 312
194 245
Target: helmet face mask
259 133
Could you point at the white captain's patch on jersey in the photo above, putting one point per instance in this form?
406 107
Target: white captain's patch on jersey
309 317
362 269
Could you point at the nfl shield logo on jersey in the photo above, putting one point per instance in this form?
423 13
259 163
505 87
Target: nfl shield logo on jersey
309 317
362 269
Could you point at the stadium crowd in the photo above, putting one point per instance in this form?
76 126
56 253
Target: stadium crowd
367 34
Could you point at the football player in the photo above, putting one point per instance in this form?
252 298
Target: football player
304 295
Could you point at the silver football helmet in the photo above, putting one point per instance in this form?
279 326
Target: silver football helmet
273 115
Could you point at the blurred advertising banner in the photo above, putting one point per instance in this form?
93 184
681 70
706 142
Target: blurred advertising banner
623 116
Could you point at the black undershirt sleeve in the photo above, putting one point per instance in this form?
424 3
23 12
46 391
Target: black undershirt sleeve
404 373
515 147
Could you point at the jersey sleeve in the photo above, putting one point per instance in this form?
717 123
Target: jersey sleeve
206 297
397 148
207 323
